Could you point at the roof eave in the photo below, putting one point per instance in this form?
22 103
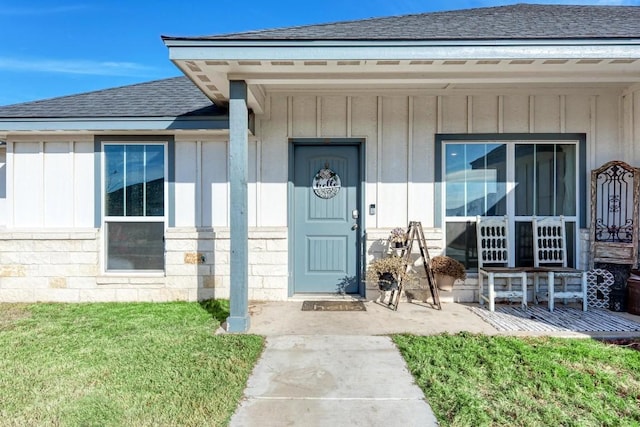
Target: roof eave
202 49
90 124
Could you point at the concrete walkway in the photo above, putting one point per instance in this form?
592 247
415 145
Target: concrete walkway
341 368
332 380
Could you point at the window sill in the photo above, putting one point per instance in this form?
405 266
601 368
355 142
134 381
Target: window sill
134 273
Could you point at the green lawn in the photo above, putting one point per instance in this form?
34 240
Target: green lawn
123 364
145 364
476 380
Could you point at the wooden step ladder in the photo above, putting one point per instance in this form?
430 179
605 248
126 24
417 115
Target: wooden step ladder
415 232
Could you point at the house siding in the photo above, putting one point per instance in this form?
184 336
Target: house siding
51 249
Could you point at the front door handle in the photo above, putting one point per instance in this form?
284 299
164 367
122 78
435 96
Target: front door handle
354 227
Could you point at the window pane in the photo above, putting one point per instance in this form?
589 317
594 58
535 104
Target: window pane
545 179
114 180
135 179
475 179
455 179
524 178
135 246
461 243
155 180
496 179
567 173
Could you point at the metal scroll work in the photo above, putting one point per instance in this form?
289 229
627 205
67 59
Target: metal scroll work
326 184
614 220
614 213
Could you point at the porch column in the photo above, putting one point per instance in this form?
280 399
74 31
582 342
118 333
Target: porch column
238 321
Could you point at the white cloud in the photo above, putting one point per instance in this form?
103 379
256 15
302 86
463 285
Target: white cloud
84 67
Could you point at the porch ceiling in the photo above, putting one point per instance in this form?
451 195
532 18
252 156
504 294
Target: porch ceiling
603 65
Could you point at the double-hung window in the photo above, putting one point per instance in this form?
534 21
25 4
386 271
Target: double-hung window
134 205
515 175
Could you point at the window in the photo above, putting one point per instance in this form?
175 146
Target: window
515 176
134 201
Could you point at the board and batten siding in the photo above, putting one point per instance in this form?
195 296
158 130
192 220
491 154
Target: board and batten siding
49 181
399 133
630 112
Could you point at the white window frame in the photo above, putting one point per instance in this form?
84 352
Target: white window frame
510 186
105 219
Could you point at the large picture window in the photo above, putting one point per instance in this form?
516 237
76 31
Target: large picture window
516 177
134 206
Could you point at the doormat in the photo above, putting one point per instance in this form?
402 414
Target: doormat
562 319
333 306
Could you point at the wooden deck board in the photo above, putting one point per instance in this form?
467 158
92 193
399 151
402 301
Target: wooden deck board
562 319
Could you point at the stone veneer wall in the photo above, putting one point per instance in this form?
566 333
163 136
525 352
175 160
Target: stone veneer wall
198 260
65 266
46 265
585 252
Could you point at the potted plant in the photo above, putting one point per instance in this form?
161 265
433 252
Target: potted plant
446 271
398 237
387 272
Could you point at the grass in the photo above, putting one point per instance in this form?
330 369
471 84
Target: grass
118 364
143 364
506 381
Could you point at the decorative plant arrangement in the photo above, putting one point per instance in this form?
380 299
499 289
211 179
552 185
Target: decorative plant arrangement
448 266
447 270
386 272
398 236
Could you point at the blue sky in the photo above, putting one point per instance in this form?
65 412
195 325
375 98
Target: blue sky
54 48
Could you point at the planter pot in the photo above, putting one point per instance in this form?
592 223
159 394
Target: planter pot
387 282
444 282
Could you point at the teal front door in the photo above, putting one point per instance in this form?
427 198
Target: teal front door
326 220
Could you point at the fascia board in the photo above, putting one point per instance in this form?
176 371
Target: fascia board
313 50
102 124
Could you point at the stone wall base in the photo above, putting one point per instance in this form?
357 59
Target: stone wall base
66 266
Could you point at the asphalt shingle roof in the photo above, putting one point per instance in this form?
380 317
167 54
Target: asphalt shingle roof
519 21
176 97
173 97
